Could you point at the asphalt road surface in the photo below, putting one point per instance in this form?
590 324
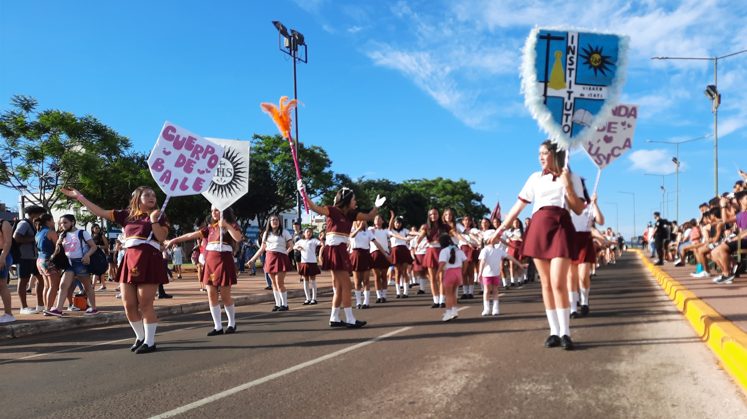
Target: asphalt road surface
635 357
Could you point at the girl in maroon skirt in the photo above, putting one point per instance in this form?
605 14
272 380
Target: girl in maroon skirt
380 257
360 262
468 243
418 251
219 273
308 268
430 232
339 222
515 240
401 258
142 267
277 242
580 273
551 238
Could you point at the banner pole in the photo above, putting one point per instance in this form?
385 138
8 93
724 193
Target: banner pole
596 182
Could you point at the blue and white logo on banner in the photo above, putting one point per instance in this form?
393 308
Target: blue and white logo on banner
572 80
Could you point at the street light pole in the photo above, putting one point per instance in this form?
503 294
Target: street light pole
715 96
635 226
289 43
663 192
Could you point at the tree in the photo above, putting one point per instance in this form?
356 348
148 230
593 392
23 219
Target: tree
43 151
446 193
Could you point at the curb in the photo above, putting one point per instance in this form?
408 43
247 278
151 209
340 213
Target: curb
15 330
726 341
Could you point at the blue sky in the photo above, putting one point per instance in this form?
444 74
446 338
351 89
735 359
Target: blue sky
392 89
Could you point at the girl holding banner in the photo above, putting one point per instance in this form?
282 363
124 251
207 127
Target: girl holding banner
142 267
221 234
550 239
339 223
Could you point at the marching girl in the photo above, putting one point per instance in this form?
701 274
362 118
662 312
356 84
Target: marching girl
142 267
401 257
276 242
418 250
580 272
515 240
431 231
361 261
452 263
380 258
308 268
491 263
469 245
338 224
219 273
551 238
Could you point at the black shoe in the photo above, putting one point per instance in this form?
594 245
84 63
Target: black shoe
145 349
359 306
268 288
552 341
378 300
283 308
442 305
276 308
435 305
383 300
312 302
230 330
566 343
365 306
659 263
307 302
405 296
574 315
357 325
336 324
137 344
421 292
215 332
585 310
399 296
165 296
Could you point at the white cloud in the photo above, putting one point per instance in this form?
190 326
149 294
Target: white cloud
657 162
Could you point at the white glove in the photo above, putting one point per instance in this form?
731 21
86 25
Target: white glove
299 186
379 201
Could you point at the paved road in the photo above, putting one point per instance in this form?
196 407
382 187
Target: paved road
635 357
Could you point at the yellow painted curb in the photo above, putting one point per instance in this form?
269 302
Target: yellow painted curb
727 341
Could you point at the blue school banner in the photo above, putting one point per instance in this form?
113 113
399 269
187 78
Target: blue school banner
571 80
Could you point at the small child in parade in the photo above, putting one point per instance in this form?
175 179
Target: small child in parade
491 261
452 263
308 268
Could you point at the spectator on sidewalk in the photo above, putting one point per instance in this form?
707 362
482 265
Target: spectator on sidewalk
6 239
102 242
177 258
662 231
46 237
24 235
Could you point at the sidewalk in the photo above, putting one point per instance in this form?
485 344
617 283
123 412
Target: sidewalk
717 312
187 299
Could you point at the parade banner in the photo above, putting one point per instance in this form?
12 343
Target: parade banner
614 137
183 163
571 80
231 179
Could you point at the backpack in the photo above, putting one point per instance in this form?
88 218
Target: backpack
98 264
15 247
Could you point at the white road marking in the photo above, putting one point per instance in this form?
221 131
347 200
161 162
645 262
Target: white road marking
254 383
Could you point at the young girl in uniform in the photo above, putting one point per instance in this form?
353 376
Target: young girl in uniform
360 261
550 239
277 242
401 258
418 251
469 245
308 268
580 271
142 267
452 263
222 233
515 240
380 258
491 262
431 231
338 224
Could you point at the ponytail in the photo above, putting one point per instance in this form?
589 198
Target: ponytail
452 257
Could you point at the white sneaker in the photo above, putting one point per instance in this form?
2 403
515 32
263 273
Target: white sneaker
485 312
718 279
496 311
678 260
28 310
728 280
118 296
40 309
454 313
73 308
7 318
447 316
702 274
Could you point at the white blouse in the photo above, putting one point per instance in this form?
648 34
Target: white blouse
277 243
543 191
382 236
362 240
583 222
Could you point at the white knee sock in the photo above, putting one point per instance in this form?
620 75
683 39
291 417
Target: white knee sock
441 299
407 288
421 283
217 321
276 294
357 297
378 294
584 296
139 330
284 298
435 299
485 305
335 316
496 308
396 288
231 314
366 297
505 283
150 333
552 319
573 298
313 289
383 293
564 321
306 289
349 317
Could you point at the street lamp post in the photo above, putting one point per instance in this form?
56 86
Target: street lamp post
712 93
663 193
676 161
289 43
635 226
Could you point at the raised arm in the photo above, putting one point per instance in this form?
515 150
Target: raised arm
598 216
184 237
95 209
515 211
312 206
391 220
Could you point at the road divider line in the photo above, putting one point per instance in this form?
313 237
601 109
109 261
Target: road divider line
259 381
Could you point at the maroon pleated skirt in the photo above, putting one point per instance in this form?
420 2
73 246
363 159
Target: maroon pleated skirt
277 262
514 247
336 258
586 251
308 269
360 260
142 264
417 263
430 260
470 252
379 260
550 235
401 255
220 269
